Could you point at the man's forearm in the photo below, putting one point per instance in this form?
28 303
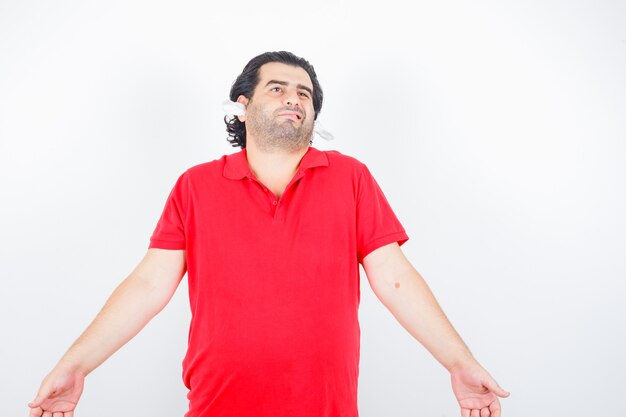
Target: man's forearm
413 304
129 308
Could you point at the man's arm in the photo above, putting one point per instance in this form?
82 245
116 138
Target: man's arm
141 296
405 293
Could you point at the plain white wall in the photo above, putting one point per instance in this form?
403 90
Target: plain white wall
496 130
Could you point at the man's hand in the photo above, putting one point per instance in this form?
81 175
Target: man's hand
476 391
132 305
58 394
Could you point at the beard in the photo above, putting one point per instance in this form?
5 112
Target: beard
272 134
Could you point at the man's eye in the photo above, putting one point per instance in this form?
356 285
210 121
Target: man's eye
304 95
275 89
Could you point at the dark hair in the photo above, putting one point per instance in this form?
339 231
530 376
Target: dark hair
247 81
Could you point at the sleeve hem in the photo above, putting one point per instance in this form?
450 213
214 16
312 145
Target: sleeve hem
164 244
400 237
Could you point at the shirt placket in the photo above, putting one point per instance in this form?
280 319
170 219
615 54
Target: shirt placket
277 206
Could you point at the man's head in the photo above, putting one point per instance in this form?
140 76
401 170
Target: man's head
271 86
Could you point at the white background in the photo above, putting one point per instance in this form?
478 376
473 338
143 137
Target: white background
496 130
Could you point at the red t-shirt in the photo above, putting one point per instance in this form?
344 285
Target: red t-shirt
274 284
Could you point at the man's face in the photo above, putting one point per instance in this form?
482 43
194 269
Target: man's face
280 114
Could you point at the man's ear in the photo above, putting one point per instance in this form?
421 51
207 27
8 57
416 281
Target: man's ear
243 100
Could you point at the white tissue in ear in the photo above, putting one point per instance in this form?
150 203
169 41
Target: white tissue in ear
324 134
232 108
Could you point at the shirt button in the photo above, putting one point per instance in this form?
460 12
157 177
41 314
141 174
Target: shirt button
275 202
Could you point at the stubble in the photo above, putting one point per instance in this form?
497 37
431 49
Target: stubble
274 135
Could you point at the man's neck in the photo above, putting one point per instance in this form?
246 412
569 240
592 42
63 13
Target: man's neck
277 166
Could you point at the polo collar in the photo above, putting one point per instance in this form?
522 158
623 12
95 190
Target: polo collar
236 166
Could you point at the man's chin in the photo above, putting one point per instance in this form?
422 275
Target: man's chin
288 124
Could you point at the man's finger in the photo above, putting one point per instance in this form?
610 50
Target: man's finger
494 407
35 412
495 388
39 399
36 402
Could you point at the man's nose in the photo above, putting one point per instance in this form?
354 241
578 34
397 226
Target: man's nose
292 99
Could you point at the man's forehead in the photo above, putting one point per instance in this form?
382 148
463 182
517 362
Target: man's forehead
282 72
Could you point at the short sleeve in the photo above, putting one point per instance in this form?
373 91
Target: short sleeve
170 229
377 224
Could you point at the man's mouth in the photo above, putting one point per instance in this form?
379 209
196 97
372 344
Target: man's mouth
293 115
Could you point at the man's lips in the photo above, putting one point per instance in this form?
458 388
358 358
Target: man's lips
293 115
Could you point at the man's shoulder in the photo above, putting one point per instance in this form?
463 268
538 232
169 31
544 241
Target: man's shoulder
341 160
212 168
207 167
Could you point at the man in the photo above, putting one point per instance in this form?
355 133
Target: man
271 238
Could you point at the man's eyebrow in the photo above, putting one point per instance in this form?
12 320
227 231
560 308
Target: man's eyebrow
285 83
